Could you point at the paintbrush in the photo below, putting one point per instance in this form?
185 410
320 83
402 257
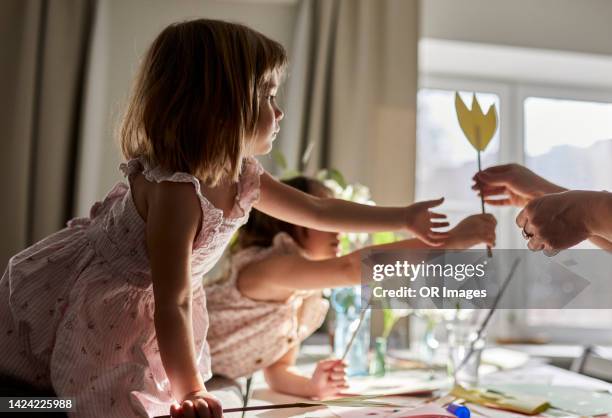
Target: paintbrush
489 314
261 408
350 343
353 401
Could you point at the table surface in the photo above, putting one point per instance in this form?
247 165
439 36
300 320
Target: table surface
534 372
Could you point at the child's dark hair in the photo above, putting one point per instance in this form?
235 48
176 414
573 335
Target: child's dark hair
261 229
196 98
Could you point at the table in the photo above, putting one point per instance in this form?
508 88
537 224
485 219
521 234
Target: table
532 372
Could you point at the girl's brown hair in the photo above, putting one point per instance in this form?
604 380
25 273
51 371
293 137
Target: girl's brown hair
196 98
261 229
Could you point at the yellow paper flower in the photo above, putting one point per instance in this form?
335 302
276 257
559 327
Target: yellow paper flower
477 127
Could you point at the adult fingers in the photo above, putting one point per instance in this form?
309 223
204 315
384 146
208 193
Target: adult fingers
522 218
495 169
535 244
490 218
488 190
489 179
550 252
498 202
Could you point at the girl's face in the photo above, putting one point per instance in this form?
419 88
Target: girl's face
269 117
319 245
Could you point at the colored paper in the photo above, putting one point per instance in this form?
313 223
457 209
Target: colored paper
570 399
477 127
525 404
372 386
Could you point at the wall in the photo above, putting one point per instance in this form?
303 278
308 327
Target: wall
124 30
580 26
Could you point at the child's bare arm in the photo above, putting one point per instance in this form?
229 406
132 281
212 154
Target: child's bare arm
326 214
171 229
275 278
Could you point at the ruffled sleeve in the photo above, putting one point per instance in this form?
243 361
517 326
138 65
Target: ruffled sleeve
249 185
211 216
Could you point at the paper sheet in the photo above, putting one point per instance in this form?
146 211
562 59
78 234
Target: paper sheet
504 358
371 386
570 399
426 411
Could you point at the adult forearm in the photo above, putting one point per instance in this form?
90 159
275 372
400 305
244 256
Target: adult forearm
602 243
599 218
547 187
173 326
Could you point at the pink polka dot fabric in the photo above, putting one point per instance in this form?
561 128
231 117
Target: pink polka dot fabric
76 309
246 335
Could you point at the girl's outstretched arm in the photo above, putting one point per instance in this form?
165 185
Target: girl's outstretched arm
276 278
171 230
328 379
327 214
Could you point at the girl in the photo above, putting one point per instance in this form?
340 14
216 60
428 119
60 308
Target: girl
271 299
110 311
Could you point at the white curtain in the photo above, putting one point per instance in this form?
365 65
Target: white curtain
43 52
351 93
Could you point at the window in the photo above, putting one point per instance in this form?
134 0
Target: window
562 134
570 143
446 161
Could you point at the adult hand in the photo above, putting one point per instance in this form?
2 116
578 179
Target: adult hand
511 185
558 221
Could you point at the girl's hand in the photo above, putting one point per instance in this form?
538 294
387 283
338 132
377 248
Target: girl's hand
420 221
473 230
328 379
513 185
200 404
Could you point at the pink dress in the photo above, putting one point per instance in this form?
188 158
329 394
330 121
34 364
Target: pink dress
76 309
247 335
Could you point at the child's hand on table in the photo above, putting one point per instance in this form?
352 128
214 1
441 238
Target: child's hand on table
200 404
328 379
